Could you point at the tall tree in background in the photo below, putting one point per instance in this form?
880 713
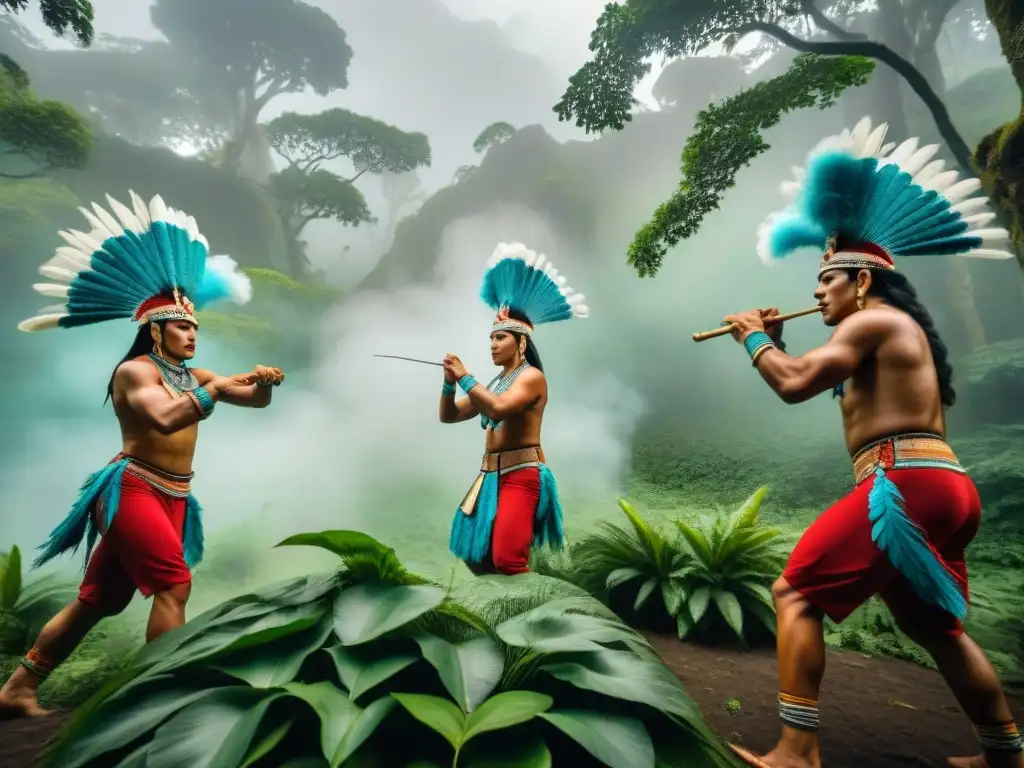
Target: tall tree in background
308 191
253 51
495 133
61 16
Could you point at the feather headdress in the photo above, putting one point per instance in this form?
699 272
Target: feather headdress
150 263
865 203
525 282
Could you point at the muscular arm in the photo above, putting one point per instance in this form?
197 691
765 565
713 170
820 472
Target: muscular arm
797 379
452 411
145 394
523 393
249 396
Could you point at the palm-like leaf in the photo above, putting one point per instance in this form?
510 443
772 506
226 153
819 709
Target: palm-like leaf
25 606
364 660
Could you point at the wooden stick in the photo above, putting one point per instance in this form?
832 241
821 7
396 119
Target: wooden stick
768 321
411 360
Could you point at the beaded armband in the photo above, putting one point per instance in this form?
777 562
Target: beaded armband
757 344
202 400
36 664
467 382
447 389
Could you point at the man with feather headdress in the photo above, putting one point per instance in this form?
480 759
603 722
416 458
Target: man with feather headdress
149 264
513 504
902 532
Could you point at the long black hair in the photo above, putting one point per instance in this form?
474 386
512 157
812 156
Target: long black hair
894 289
142 345
532 356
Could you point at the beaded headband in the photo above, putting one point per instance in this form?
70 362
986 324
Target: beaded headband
854 256
502 322
162 308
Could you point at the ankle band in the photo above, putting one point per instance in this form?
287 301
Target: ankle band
36 664
1001 737
798 712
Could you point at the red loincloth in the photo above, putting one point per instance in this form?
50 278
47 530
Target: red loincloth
142 549
518 496
837 566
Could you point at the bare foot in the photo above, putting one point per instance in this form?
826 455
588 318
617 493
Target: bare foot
24 705
777 758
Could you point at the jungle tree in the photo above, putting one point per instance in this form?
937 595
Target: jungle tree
36 135
495 133
60 16
307 191
252 51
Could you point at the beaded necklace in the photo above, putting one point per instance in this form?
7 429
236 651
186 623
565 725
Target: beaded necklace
177 376
498 385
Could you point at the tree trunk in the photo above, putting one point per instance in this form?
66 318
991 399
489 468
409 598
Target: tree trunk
882 98
999 157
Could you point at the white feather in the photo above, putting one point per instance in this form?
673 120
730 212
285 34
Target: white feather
40 323
52 290
942 182
978 220
962 190
111 224
141 210
239 284
873 142
992 238
902 153
929 172
983 253
89 241
128 219
99 229
919 159
581 311
57 273
970 206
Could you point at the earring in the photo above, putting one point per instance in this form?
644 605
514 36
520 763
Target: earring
861 301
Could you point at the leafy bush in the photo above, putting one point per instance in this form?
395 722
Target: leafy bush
370 665
26 606
672 575
875 635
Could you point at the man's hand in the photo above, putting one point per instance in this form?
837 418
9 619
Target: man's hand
266 376
774 330
745 323
454 367
224 384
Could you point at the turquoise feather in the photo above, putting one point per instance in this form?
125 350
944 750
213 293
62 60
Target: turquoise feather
549 528
524 281
908 550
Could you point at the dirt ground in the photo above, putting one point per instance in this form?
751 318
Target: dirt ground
876 713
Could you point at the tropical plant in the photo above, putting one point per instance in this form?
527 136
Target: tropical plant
371 665
25 606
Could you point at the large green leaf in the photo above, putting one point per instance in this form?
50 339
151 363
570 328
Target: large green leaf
505 710
344 726
361 668
497 713
341 543
746 515
646 590
122 719
469 669
217 730
367 611
699 601
529 753
10 587
618 742
436 713
621 576
266 742
277 662
547 630
730 609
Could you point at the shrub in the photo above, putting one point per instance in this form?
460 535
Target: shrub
25 606
371 665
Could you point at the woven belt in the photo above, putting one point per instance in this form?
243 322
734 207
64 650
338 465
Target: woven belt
911 451
506 461
176 486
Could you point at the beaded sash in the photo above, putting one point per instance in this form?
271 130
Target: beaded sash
501 462
916 450
175 486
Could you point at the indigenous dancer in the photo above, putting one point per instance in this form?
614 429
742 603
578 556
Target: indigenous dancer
149 264
513 503
902 531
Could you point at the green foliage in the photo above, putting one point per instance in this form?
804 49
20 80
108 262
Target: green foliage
994 457
373 146
728 137
47 134
370 665
876 635
26 605
60 16
318 194
708 577
495 133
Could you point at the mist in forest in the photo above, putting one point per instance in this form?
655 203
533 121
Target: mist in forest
350 434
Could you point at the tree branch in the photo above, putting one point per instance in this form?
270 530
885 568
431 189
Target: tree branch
886 55
367 168
825 24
